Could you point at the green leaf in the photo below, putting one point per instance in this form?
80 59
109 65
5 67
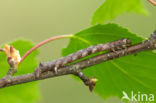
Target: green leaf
23 93
130 73
112 8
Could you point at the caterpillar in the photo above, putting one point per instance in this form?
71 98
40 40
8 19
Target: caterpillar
56 64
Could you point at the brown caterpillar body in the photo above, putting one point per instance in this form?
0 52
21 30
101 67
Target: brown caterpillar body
56 64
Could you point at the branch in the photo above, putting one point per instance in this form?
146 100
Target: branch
76 68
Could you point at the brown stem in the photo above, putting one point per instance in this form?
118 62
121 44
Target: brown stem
42 43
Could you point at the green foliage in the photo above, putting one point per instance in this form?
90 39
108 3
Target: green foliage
130 73
24 93
112 8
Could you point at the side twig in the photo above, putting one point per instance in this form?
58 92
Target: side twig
91 82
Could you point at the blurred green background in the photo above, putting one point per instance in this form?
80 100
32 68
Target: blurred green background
37 20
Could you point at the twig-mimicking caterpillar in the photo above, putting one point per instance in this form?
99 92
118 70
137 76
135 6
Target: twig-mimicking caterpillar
56 64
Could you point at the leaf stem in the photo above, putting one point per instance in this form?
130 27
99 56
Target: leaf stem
43 43
152 2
